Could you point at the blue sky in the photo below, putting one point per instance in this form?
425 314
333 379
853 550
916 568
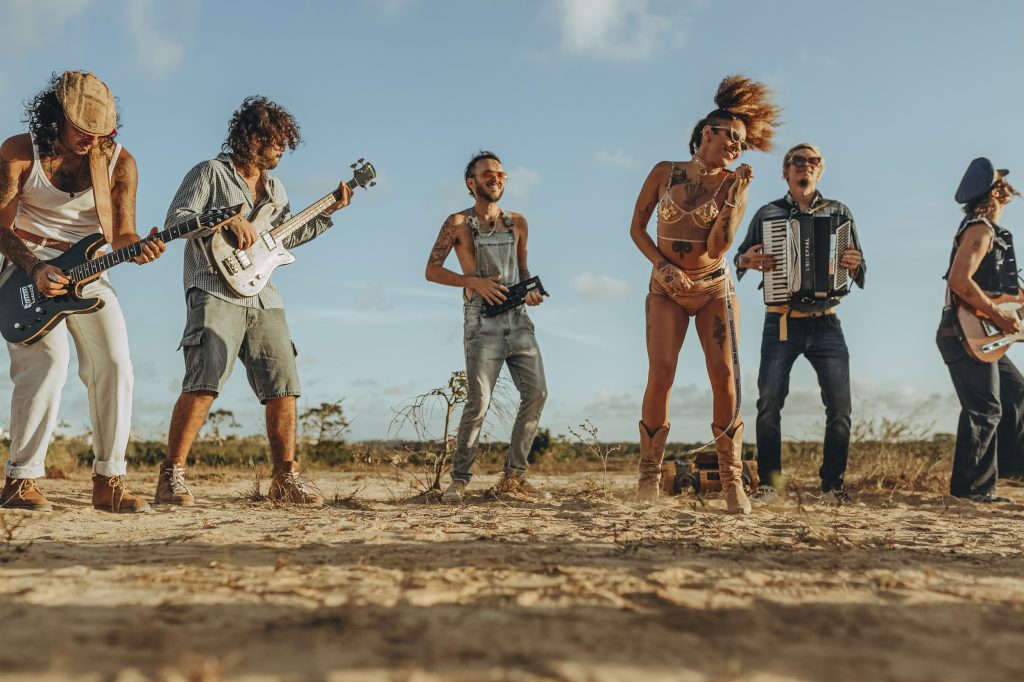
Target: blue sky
580 98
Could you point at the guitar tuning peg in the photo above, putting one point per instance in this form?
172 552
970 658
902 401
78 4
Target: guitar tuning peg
352 166
373 184
361 160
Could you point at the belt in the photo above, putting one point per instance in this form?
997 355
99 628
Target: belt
43 241
714 275
788 312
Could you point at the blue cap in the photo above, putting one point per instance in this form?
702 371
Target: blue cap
978 180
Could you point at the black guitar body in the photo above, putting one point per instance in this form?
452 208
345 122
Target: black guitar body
26 315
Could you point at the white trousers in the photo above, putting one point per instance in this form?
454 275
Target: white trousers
40 371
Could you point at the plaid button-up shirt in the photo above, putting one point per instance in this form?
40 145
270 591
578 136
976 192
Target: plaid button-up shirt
216 184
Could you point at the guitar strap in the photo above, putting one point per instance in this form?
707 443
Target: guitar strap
101 191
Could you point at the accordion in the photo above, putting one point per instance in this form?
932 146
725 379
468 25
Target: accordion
514 297
807 250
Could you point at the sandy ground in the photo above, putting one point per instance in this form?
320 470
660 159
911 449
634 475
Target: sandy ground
382 586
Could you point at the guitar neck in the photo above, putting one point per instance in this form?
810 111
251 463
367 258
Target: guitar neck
299 220
93 267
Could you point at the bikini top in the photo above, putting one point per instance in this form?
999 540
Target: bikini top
670 216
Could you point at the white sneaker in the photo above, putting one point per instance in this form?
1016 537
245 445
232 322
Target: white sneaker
453 493
836 498
765 494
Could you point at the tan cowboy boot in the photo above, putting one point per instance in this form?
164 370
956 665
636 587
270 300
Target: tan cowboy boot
730 468
652 451
285 486
109 494
22 493
170 486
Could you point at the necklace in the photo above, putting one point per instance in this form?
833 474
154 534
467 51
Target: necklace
68 179
704 168
493 223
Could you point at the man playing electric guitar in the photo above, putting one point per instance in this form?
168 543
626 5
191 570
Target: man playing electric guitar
221 325
63 181
990 434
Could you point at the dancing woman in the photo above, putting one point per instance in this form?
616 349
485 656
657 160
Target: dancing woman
700 204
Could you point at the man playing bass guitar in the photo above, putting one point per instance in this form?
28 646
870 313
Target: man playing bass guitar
221 325
63 181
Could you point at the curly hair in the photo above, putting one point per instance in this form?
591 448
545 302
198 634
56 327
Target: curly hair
740 98
988 204
257 124
44 116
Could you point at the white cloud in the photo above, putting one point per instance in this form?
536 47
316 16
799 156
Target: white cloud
600 287
625 30
157 51
616 158
520 181
24 22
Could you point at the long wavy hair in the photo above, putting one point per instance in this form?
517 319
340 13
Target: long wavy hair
743 99
256 124
988 204
44 116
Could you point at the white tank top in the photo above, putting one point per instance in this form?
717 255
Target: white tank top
48 212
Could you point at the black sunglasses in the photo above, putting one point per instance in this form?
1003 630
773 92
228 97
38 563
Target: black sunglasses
801 161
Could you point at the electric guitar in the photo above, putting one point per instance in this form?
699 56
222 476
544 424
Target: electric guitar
247 271
982 339
26 315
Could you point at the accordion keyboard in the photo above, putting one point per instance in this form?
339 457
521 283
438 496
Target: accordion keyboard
776 281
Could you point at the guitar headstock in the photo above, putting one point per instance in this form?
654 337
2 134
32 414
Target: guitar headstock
218 216
364 175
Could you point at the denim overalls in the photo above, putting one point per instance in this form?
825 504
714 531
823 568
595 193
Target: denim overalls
491 342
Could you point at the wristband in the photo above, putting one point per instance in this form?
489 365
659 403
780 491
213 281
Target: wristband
32 270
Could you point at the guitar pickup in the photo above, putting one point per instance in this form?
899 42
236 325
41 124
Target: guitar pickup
269 240
243 259
28 296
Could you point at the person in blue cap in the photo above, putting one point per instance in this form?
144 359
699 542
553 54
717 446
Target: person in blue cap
982 266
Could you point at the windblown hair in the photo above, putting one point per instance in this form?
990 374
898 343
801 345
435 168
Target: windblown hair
45 117
739 98
259 123
481 155
987 205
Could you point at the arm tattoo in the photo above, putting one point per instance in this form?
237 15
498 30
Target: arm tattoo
15 250
444 243
122 195
718 332
8 184
647 211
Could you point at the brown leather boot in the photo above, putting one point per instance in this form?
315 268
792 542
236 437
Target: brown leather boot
285 486
170 486
109 494
22 493
730 468
652 451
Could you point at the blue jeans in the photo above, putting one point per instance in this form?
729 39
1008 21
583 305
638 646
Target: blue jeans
821 341
491 342
990 432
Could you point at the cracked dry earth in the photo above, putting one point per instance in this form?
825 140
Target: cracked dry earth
384 585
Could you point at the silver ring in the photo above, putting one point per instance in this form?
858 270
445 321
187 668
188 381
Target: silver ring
52 277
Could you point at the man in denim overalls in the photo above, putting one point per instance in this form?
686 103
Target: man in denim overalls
491 248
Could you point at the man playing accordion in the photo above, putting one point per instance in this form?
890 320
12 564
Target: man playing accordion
800 314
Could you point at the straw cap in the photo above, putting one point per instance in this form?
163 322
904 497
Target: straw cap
87 102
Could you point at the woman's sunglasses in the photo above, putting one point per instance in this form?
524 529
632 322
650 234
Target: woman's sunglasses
734 136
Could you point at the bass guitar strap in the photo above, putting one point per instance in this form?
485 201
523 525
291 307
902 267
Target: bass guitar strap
101 191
